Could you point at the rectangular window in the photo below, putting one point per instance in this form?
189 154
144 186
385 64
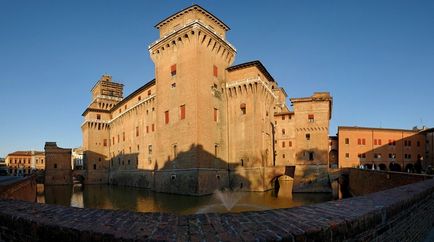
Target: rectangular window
347 155
105 142
113 140
359 141
150 149
216 114
166 117
379 141
137 131
149 92
139 98
123 136
215 71
98 116
375 141
119 138
173 70
153 128
147 129
347 141
311 156
310 118
182 112
307 136
290 144
283 144
243 108
283 117
363 141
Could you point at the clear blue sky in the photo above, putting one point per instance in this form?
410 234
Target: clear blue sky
375 57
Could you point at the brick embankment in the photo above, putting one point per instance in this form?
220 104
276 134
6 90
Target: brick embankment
21 189
404 213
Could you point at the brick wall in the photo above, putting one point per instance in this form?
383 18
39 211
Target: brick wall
400 214
24 189
362 182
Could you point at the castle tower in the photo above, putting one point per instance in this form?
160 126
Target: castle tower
190 59
95 128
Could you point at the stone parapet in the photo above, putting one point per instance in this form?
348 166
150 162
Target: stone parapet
400 214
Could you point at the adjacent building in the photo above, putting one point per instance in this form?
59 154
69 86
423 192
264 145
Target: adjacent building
58 170
382 148
202 123
22 163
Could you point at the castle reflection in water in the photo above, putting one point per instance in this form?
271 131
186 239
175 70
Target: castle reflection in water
141 200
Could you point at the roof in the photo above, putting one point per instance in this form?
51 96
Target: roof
94 110
317 96
129 97
283 113
197 7
374 128
26 153
256 63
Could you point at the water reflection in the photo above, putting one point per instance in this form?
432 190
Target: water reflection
134 199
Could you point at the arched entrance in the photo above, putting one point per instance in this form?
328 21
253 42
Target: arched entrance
382 167
394 167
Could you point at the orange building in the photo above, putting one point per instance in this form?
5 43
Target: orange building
24 162
381 148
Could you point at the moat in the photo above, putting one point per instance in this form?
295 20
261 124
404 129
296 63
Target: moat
141 200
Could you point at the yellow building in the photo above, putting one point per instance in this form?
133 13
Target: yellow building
202 123
24 162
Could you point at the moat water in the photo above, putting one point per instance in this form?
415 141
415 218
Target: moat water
142 200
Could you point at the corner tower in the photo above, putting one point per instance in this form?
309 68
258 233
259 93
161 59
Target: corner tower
190 60
95 128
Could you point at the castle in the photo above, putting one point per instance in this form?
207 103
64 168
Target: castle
202 123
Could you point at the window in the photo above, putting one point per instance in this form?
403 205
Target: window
123 136
216 114
98 116
166 117
359 141
119 138
126 107
310 156
113 139
175 151
375 141
55 165
150 149
243 108
182 112
147 129
94 166
137 131
347 155
283 156
307 136
283 131
289 143
105 142
149 92
283 144
283 117
347 141
379 141
363 141
174 85
215 71
153 128
173 70
310 118
139 98
216 150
